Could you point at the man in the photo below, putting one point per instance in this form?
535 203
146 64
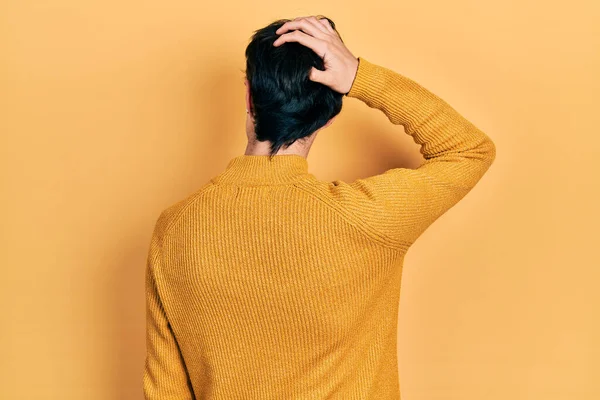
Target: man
267 283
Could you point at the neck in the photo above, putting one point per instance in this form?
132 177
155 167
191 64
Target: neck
258 169
257 148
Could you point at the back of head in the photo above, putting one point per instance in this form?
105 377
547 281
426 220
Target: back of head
286 104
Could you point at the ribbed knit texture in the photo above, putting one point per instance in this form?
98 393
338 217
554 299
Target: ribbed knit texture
267 283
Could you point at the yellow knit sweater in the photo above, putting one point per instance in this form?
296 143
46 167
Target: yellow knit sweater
267 283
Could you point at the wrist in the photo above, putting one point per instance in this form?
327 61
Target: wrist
353 79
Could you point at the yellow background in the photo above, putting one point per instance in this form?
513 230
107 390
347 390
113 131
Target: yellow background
113 110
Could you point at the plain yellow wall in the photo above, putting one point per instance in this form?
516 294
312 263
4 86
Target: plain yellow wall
113 110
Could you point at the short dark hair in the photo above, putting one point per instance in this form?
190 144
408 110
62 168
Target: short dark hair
286 104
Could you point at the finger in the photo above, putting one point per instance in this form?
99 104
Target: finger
317 45
294 24
317 75
325 22
316 22
303 25
299 18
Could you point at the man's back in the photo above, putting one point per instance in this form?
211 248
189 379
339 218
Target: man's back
268 283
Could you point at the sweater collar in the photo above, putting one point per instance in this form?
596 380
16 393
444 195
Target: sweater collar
261 170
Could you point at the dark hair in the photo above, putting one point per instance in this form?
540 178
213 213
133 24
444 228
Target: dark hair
286 104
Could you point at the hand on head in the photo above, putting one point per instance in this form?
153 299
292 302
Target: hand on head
317 34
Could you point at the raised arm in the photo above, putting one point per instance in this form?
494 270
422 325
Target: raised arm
403 202
456 152
398 205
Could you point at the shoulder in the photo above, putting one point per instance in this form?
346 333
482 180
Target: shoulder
370 204
175 211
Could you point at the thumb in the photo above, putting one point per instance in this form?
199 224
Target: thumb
317 75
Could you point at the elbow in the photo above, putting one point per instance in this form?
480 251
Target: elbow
486 151
490 151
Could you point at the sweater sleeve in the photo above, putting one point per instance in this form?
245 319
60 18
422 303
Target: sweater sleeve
165 374
401 203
